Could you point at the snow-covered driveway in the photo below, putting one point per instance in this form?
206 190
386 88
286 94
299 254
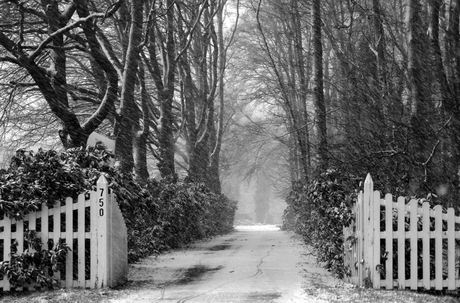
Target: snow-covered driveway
252 264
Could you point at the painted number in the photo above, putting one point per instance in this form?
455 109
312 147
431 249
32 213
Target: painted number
101 203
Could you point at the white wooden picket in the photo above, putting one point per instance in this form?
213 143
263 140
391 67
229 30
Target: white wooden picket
106 238
402 230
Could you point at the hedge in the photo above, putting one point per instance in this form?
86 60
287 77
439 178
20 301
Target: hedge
158 216
318 211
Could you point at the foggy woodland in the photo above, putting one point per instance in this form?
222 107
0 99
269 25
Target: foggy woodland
249 97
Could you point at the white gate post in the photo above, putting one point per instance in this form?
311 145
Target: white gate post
109 239
99 224
368 229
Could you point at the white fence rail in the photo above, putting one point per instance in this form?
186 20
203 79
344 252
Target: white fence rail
92 227
397 245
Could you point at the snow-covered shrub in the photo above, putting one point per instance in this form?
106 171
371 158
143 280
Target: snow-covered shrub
318 212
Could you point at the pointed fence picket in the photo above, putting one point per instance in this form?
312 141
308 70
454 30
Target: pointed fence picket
392 244
92 227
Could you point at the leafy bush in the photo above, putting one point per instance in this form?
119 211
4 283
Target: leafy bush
32 267
158 216
318 211
33 179
182 213
191 211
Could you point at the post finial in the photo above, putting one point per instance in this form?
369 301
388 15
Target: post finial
368 179
102 179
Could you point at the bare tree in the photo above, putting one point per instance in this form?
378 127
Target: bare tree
45 56
318 86
127 120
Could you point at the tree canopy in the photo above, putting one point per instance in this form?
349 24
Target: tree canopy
389 79
209 89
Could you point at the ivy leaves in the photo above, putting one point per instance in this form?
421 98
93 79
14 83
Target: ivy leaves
32 266
319 210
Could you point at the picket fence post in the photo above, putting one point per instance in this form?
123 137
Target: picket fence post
451 268
389 241
426 244
375 264
359 240
413 234
438 246
368 229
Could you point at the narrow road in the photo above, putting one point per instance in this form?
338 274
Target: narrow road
253 264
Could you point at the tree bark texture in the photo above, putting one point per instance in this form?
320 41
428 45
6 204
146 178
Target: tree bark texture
141 135
318 87
50 73
128 116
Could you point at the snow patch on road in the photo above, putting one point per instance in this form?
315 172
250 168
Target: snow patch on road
258 227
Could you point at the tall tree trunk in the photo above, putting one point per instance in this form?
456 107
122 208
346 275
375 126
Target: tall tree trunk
196 112
433 31
441 76
107 105
166 139
199 66
140 138
206 99
129 117
381 75
58 72
455 113
379 34
191 132
165 88
216 142
417 136
287 87
293 159
304 136
318 93
451 105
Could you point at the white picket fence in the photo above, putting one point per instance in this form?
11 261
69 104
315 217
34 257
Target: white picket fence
101 248
397 245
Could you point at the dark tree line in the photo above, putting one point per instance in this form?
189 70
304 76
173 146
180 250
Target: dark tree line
366 86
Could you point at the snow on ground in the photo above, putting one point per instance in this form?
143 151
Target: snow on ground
256 263
257 227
